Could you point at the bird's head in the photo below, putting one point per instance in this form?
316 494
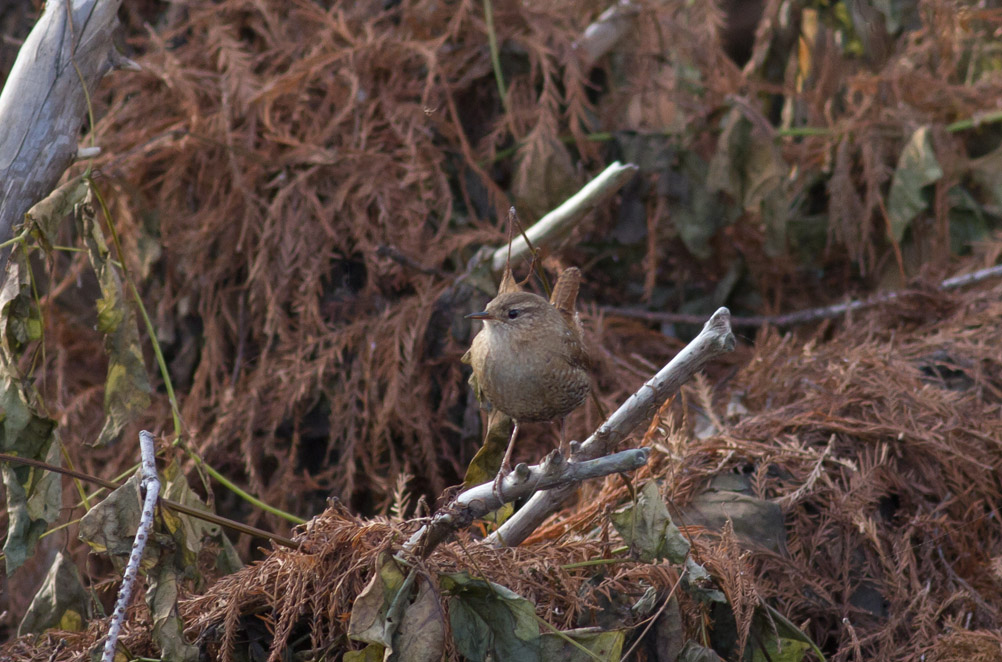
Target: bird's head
514 310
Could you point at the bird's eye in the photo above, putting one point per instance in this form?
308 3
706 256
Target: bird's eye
513 313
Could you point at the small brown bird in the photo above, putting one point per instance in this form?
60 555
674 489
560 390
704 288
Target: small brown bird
529 360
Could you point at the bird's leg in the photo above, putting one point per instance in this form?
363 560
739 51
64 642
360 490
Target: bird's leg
565 446
505 464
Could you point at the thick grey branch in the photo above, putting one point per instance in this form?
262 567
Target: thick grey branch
716 338
43 103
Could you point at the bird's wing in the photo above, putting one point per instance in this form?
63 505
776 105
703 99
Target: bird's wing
575 352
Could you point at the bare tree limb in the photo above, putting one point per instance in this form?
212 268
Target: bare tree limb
44 101
562 220
608 29
810 314
522 482
716 338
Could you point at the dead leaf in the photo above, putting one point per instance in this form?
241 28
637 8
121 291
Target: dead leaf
61 601
647 528
917 168
127 389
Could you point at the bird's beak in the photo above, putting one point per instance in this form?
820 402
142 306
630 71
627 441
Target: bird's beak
482 315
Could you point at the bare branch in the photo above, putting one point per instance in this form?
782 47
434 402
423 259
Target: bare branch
601 36
562 220
524 481
808 315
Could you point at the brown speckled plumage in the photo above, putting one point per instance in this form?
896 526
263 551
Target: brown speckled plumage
532 367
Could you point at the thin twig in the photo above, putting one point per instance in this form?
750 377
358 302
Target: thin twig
212 518
151 486
803 316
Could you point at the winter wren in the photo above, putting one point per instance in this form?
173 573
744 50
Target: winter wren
529 360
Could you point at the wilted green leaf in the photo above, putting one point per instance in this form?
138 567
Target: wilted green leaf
604 644
127 389
368 614
986 171
161 597
669 631
647 528
699 584
111 525
34 496
371 653
700 212
778 632
20 320
491 619
780 649
749 167
755 521
401 630
693 652
48 214
725 169
917 168
486 463
765 192
61 602
968 224
189 533
421 635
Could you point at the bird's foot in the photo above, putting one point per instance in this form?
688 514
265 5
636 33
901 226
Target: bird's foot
502 474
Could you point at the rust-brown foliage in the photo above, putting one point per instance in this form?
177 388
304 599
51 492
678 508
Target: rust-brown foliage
299 188
882 445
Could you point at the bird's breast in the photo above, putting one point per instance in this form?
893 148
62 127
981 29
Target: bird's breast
529 378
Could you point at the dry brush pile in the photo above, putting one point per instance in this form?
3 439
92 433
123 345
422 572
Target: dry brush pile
299 190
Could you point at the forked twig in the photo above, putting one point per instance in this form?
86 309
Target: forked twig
524 481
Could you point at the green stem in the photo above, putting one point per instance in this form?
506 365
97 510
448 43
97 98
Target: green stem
289 517
165 375
19 238
564 636
975 122
492 40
